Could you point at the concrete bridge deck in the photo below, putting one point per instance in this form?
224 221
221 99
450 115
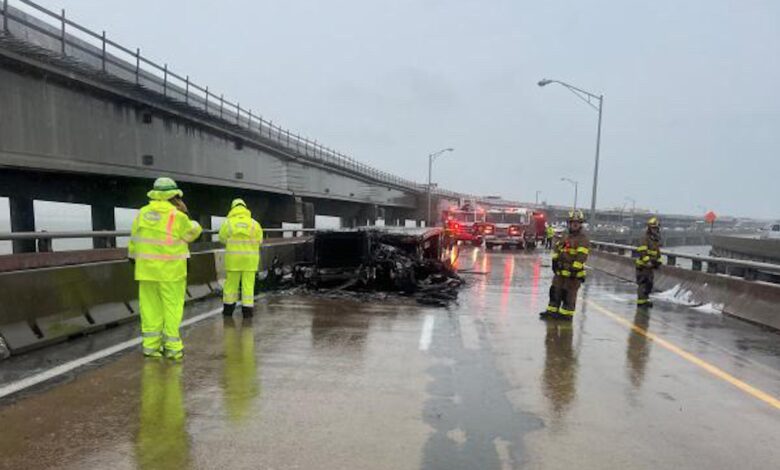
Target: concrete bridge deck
333 383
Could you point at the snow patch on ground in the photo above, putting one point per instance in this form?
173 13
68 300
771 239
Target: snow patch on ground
680 296
709 308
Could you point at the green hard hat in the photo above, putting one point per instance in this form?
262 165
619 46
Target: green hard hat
164 189
237 202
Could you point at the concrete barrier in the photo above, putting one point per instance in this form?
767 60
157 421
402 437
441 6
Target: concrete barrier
756 302
49 305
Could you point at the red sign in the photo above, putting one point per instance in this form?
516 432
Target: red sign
710 217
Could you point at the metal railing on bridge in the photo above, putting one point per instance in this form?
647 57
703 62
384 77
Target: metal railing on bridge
748 270
107 56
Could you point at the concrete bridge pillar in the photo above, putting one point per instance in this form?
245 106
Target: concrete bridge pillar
367 214
103 219
22 220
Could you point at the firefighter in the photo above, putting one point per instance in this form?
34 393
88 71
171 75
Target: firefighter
242 237
549 233
568 262
158 248
648 259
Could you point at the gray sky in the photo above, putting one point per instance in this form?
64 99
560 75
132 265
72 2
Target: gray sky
692 110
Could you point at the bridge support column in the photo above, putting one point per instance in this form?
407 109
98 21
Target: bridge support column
103 219
367 215
287 209
22 220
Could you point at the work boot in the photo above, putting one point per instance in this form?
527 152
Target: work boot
227 309
547 315
248 312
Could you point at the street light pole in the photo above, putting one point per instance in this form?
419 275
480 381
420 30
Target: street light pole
537 197
588 98
431 158
576 186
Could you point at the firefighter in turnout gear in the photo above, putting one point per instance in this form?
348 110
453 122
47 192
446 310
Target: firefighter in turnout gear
159 249
648 259
242 237
568 262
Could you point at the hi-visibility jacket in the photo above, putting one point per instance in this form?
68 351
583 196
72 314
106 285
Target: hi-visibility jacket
550 232
570 254
242 237
158 242
648 252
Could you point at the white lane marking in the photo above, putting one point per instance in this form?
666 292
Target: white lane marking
468 333
40 377
617 298
427 333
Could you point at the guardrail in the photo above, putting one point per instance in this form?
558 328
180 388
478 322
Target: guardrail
748 270
105 55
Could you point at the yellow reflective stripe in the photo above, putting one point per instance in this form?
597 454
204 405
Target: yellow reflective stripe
581 274
160 257
244 242
645 259
564 311
572 251
577 265
152 241
583 250
652 252
193 232
552 309
642 301
555 256
641 248
565 273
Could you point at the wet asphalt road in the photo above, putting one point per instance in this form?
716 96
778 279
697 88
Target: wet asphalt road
314 383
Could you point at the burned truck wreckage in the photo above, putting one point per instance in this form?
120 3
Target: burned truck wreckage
408 262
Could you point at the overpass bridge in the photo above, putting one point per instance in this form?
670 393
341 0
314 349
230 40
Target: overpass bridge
321 382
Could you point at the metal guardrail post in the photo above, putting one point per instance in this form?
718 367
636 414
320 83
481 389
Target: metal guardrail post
696 265
671 260
5 16
238 114
165 80
206 105
62 32
221 105
138 66
187 90
103 55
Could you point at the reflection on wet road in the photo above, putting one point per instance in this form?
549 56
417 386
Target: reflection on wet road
332 384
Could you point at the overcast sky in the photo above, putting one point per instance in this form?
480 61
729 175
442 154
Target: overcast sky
691 110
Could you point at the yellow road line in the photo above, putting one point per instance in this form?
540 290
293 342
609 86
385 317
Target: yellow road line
717 372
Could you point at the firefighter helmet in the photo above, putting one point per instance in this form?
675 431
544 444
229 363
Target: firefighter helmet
576 216
653 222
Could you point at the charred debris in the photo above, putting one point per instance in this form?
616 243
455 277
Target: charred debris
372 264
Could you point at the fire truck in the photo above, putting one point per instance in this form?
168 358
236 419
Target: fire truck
510 227
462 223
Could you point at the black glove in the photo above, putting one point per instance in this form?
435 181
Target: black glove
556 265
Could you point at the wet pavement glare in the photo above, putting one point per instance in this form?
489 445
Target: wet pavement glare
317 383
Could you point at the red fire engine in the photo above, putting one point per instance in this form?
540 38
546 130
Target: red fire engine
512 227
462 223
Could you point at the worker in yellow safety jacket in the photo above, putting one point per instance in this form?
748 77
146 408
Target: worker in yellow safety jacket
158 248
242 237
549 234
648 259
